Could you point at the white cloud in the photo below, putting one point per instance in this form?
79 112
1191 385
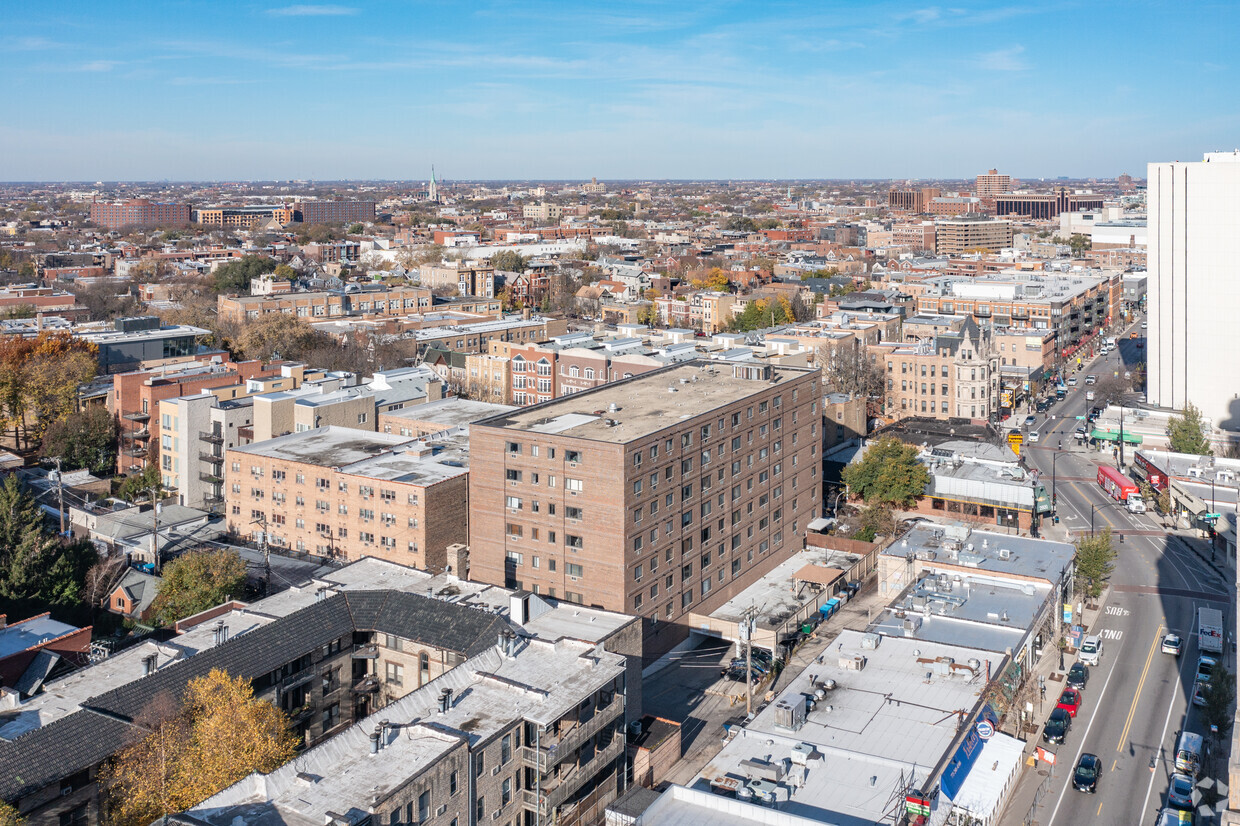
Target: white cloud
1003 60
313 11
100 65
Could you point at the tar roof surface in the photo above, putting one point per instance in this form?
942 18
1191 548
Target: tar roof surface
330 446
646 403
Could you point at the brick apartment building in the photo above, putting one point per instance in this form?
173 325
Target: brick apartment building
955 374
960 236
136 396
911 200
325 304
343 493
918 236
138 212
658 495
472 281
336 211
1044 206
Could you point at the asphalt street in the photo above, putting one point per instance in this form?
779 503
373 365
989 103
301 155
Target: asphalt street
1138 698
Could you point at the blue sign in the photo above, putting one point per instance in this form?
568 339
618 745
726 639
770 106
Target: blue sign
956 771
985 730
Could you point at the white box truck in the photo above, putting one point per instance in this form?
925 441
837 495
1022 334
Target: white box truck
1209 631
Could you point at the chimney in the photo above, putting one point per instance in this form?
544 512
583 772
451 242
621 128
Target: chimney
445 700
148 664
512 644
374 741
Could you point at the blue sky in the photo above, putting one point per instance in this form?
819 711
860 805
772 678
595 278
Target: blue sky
244 90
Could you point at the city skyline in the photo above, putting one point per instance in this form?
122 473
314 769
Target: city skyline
362 91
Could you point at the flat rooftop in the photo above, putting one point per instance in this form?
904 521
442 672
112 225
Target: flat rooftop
644 404
540 683
451 412
423 462
776 593
330 446
881 727
974 611
24 635
959 545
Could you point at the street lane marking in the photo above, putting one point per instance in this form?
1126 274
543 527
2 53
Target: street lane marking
1093 715
1116 763
1099 808
1167 724
1149 658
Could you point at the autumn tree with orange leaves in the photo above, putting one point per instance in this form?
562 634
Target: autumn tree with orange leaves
219 734
39 379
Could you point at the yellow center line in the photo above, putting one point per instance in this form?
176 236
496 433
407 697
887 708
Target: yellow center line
1140 685
1099 809
1113 765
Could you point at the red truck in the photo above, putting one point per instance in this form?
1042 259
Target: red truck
1120 488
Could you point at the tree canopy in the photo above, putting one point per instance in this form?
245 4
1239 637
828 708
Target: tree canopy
848 368
196 581
84 439
219 734
37 571
1187 432
761 314
1095 559
888 474
1219 693
234 277
39 379
274 334
509 260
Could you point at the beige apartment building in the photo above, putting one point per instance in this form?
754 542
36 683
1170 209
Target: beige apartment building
342 493
659 495
960 236
955 374
382 300
468 280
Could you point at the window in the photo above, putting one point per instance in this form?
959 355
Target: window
574 569
572 456
505 792
424 805
77 816
512 502
572 513
505 749
572 485
512 475
395 674
452 785
331 716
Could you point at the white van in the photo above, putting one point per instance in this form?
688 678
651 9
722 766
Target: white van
1188 753
1091 651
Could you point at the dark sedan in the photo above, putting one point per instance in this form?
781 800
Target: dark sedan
1078 675
1056 728
1085 777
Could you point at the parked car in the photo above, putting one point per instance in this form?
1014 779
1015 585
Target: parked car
1078 675
1205 667
1091 650
1030 421
1085 776
1072 381
1199 694
1172 644
1042 406
737 674
1180 792
1057 725
1090 380
758 665
1070 701
1174 817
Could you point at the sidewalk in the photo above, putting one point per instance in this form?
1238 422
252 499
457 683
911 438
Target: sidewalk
1028 788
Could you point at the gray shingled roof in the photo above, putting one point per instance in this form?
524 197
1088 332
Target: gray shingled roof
87 737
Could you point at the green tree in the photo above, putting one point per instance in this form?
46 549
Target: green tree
1219 693
284 272
1095 560
876 520
1187 432
509 260
196 581
83 439
356 229
139 485
888 474
37 571
234 277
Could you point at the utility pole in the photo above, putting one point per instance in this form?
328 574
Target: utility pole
155 529
746 635
266 549
60 494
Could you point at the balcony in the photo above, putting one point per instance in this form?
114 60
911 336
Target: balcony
213 500
366 685
300 715
212 458
142 433
210 478
366 652
137 416
213 438
138 453
561 788
548 756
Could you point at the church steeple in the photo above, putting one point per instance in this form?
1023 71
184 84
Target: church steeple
432 190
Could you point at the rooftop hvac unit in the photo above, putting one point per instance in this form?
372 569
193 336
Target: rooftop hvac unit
802 753
870 642
1005 553
789 715
854 663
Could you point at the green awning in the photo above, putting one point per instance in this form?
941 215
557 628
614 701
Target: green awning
1113 436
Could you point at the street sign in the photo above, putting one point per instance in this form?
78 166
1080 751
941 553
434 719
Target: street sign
916 805
1046 756
1211 517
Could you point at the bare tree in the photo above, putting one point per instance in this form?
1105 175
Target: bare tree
849 367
